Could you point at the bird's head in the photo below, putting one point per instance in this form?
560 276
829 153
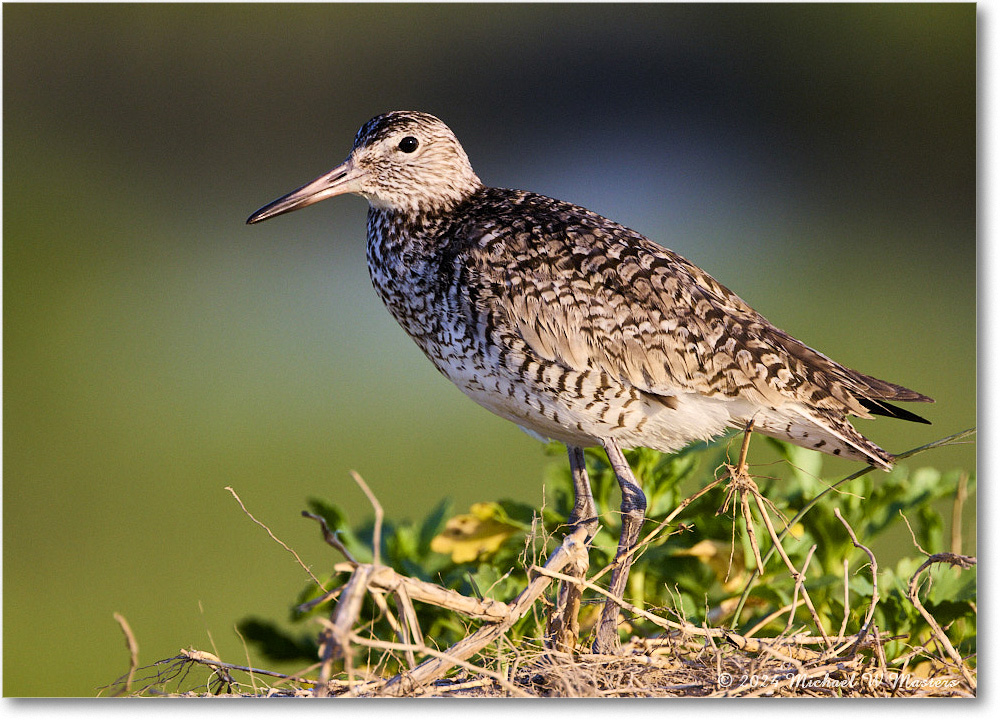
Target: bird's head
407 162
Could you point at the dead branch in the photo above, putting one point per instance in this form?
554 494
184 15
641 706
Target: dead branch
133 651
275 538
336 636
953 559
961 494
330 536
686 654
776 546
386 579
377 532
563 629
444 657
214 662
863 631
436 667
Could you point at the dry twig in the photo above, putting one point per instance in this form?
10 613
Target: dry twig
863 631
688 660
133 651
955 560
275 538
435 667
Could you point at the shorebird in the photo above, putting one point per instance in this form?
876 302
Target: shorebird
577 328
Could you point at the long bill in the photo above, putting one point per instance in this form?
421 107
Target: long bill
345 178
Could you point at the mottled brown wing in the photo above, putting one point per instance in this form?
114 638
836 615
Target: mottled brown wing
623 305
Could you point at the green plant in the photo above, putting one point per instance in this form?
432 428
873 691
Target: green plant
700 567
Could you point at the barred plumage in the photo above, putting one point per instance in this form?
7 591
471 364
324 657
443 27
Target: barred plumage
577 328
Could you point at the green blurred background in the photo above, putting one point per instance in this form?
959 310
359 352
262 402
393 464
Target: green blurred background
819 160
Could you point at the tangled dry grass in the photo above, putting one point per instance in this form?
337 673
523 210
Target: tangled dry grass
646 668
683 660
683 663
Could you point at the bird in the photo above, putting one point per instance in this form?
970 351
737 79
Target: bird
577 328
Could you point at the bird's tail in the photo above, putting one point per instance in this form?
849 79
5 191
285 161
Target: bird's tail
822 431
873 394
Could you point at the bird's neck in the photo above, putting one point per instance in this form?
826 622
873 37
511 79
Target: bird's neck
399 246
393 233
404 253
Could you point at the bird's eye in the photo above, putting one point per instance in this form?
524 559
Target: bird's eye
408 144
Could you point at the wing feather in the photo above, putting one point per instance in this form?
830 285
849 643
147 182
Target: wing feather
593 295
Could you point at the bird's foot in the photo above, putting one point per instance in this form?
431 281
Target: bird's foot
607 642
563 631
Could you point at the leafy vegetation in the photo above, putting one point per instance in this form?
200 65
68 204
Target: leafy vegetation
701 566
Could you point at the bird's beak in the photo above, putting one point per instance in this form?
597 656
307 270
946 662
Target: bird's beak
345 178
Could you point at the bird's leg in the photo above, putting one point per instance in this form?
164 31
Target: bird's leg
633 514
564 624
584 512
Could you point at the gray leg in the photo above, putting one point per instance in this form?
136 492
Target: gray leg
564 623
584 511
633 514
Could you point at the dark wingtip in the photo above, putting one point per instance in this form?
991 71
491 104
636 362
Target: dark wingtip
881 408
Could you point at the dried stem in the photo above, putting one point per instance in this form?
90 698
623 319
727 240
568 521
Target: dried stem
799 577
799 580
434 668
648 538
446 657
748 520
955 560
790 607
961 494
874 566
133 650
946 441
377 532
409 616
847 600
330 536
276 539
400 629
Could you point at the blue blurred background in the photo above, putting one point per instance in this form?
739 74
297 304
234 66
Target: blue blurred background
819 160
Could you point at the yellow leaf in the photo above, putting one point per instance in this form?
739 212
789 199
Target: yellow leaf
468 536
727 566
703 550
